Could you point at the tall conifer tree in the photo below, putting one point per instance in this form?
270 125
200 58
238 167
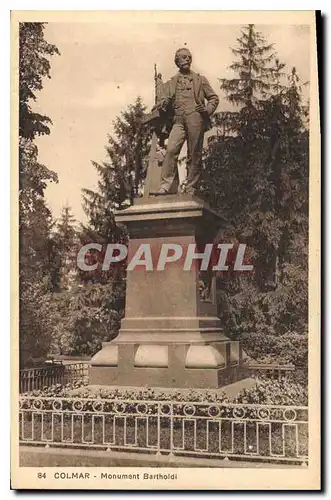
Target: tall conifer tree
256 175
120 179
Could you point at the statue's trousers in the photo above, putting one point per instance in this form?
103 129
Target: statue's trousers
188 127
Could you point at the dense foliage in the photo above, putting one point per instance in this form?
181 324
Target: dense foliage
34 66
35 218
256 176
264 391
85 316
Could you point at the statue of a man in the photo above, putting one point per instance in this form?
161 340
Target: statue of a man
191 100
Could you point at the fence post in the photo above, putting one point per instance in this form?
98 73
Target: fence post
158 428
171 429
31 379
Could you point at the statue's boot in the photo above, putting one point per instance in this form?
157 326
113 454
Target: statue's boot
160 192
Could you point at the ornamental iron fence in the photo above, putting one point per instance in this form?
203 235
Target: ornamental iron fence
32 379
265 433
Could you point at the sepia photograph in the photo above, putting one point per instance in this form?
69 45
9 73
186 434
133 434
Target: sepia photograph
165 216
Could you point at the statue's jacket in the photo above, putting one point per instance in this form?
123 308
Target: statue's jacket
202 92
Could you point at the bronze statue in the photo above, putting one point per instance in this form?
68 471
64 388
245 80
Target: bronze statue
181 102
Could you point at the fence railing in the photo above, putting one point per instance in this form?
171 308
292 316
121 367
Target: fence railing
236 431
37 378
272 369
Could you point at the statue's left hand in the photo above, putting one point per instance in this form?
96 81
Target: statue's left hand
201 108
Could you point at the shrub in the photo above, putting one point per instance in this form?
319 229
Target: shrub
265 391
84 317
283 349
275 392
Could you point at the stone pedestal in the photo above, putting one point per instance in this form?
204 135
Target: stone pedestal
170 336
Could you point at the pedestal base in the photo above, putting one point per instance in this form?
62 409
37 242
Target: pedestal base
171 335
174 365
